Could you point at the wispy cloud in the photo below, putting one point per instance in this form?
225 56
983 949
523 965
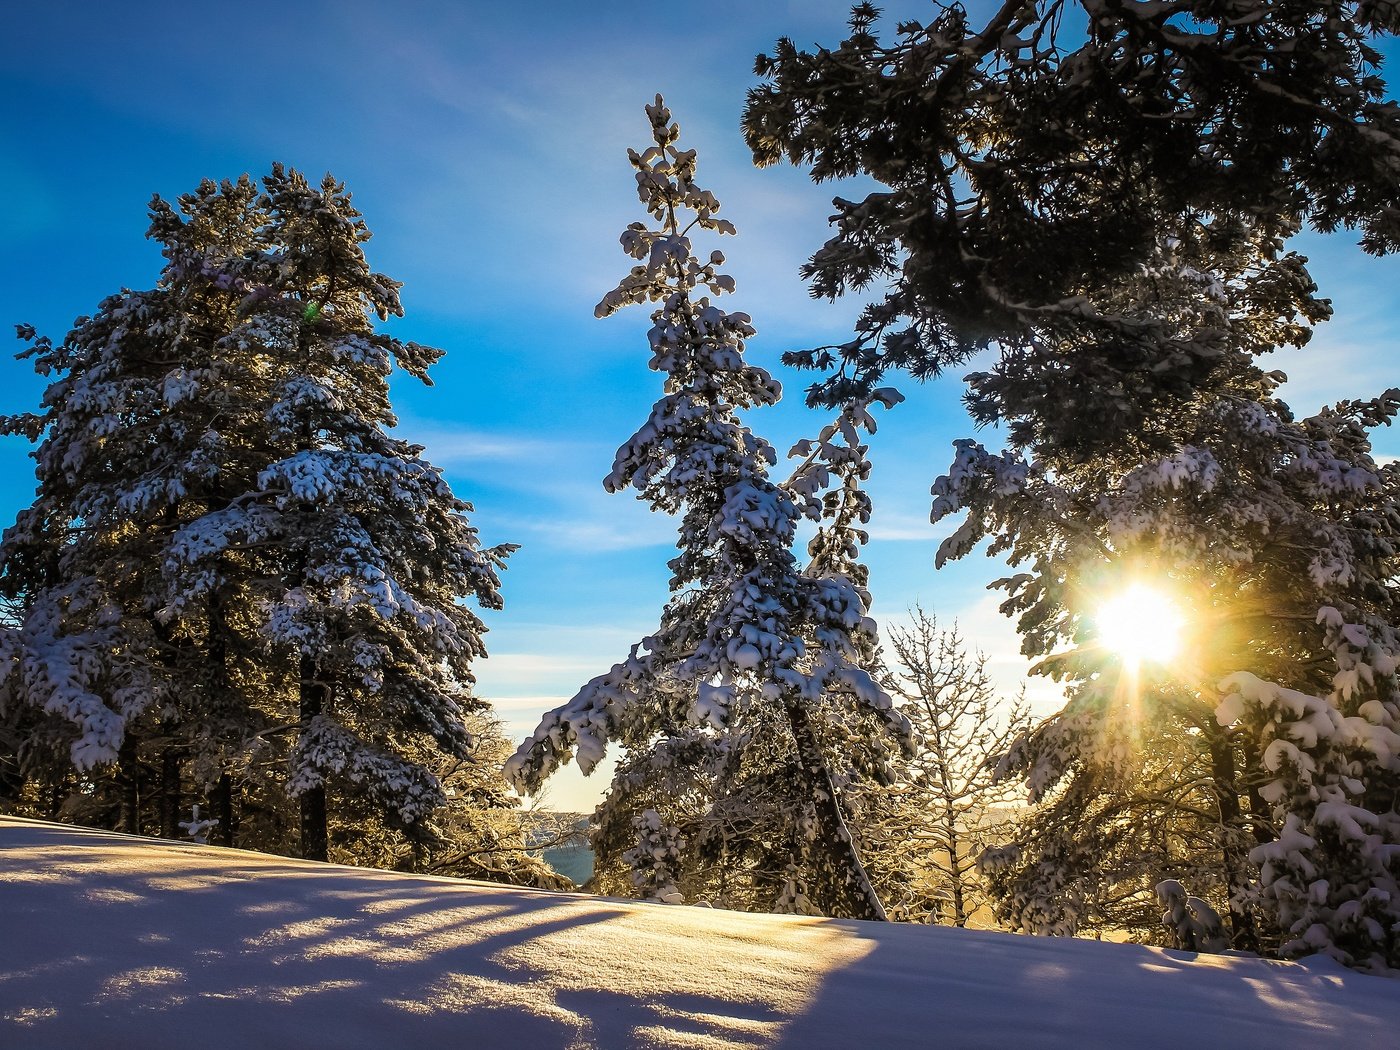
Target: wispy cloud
1352 355
506 670
524 711
898 526
612 534
1330 370
558 502
452 446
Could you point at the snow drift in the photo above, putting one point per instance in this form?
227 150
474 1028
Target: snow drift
113 941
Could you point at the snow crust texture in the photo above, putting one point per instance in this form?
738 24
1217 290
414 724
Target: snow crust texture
114 942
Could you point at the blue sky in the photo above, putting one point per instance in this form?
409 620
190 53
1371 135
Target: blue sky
486 146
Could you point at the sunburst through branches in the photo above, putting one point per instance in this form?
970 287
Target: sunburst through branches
1141 624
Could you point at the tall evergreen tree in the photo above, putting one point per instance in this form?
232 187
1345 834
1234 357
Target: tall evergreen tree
233 570
1152 168
126 452
756 663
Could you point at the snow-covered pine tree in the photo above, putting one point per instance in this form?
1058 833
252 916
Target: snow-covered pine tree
375 552
948 807
229 549
1278 537
117 695
1193 923
754 659
1135 155
742 801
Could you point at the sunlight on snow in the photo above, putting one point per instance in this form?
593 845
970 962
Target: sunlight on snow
557 969
318 954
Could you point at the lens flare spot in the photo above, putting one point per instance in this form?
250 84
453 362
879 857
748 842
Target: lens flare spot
1141 624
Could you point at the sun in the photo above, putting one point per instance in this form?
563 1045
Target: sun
1142 625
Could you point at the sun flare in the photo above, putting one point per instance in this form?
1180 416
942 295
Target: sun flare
1141 624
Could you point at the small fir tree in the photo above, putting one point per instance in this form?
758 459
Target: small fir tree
756 664
1193 923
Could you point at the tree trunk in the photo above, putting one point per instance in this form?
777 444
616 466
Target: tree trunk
314 840
169 793
222 707
1233 853
58 795
129 787
850 893
222 804
950 827
956 869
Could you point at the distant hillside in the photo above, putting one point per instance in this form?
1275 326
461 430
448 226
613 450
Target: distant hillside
120 943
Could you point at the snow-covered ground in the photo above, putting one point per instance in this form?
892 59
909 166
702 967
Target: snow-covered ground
109 942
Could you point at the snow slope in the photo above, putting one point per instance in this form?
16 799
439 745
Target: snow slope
109 941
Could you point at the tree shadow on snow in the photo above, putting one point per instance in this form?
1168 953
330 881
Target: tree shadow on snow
118 942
